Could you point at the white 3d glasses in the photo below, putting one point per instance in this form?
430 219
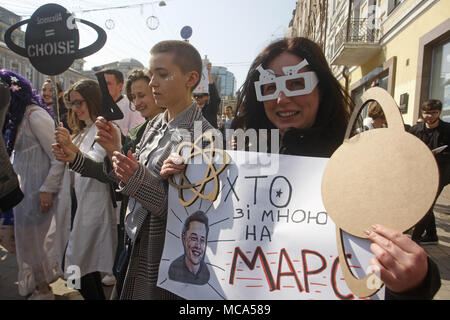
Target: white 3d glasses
292 83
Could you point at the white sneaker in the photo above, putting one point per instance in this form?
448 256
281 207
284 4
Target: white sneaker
109 280
37 295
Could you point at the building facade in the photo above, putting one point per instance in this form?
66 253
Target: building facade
400 45
310 21
125 66
224 80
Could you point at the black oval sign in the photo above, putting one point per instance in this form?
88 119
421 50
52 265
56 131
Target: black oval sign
52 39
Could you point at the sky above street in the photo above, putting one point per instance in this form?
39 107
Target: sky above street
229 32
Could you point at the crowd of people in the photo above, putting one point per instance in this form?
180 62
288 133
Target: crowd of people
96 195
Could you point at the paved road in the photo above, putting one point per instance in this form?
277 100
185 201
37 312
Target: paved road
439 253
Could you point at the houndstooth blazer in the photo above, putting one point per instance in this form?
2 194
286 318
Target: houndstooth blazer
151 191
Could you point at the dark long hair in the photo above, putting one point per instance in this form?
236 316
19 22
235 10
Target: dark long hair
22 95
334 104
90 91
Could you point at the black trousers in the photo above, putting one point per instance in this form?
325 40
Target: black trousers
428 222
91 287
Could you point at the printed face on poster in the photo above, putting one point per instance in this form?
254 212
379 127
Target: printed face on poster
266 236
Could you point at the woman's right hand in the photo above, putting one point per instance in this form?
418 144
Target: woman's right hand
107 136
62 137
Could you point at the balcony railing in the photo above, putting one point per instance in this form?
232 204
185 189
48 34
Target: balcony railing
358 31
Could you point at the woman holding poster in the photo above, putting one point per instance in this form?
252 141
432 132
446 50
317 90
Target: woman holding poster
291 81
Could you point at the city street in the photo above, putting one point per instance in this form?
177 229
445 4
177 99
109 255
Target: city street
163 73
439 253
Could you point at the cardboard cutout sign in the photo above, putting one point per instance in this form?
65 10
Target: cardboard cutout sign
211 174
382 176
110 109
52 39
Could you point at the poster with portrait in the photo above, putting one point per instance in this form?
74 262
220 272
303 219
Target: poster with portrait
265 236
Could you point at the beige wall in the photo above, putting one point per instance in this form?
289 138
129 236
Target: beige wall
405 46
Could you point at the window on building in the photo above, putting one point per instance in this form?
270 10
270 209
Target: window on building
392 4
62 82
29 74
15 66
440 77
380 80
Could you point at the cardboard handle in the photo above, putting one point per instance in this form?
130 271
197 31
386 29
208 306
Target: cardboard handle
55 101
387 103
358 286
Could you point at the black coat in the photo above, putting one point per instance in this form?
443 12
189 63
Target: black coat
433 138
314 142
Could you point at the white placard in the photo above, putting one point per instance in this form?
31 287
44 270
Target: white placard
269 234
203 86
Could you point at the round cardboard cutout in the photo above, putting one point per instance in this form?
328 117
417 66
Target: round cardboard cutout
382 176
52 39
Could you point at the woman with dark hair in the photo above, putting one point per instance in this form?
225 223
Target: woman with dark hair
291 88
89 236
329 122
47 97
28 134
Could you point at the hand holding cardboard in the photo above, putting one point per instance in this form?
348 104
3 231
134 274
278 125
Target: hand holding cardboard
384 176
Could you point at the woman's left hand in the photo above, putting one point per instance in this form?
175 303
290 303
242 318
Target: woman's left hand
124 166
63 154
401 262
172 165
45 201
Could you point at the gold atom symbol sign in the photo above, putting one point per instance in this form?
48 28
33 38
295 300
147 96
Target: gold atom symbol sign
211 173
